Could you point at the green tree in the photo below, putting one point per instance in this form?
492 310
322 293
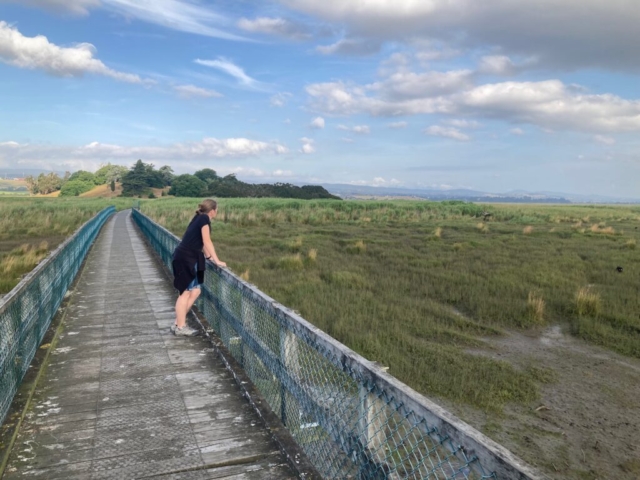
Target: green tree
112 186
167 174
207 175
83 176
73 188
187 186
108 173
44 184
140 178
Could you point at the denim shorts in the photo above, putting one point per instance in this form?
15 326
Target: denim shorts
194 283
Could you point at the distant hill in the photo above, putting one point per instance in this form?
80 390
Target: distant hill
516 196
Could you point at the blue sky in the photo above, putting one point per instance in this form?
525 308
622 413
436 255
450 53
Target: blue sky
495 95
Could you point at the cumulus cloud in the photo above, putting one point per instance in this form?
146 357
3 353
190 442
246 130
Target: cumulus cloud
350 46
75 7
280 99
408 85
307 145
397 125
191 91
275 26
317 122
447 132
517 131
230 68
38 53
461 123
605 140
547 104
95 153
526 27
359 129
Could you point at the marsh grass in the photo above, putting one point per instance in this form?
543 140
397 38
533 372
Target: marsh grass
536 307
588 302
31 227
417 306
631 244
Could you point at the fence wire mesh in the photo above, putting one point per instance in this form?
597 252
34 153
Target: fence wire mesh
351 419
26 312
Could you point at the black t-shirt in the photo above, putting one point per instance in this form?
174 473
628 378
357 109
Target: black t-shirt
192 239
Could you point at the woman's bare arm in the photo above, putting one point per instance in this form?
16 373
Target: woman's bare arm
209 250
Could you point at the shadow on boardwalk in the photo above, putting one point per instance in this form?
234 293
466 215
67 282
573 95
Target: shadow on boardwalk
122 398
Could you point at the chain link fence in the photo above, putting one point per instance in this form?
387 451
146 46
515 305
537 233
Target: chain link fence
26 312
352 419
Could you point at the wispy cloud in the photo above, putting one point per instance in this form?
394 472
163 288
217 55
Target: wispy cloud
397 125
191 91
231 69
280 99
181 15
604 139
38 53
74 7
447 132
275 26
360 129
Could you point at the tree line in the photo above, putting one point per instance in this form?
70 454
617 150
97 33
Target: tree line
141 178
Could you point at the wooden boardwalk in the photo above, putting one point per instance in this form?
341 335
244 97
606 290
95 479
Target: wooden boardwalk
122 398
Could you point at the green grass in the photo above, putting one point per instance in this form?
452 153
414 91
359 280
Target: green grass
413 285
31 227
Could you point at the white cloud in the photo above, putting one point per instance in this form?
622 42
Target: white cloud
517 131
548 104
397 125
318 123
497 65
360 129
231 69
377 182
351 47
92 154
75 7
463 123
191 91
307 145
447 132
280 99
38 53
408 85
274 26
526 27
605 140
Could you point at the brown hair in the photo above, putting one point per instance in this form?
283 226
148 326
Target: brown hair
206 206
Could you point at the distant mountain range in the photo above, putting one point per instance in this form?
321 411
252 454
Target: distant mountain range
515 196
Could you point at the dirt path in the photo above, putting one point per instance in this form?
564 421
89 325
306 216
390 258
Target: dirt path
587 423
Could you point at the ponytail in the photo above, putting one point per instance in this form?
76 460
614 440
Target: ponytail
206 206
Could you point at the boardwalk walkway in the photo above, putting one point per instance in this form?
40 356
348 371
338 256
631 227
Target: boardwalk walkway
122 398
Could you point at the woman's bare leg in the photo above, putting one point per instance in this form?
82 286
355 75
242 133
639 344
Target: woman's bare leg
184 304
